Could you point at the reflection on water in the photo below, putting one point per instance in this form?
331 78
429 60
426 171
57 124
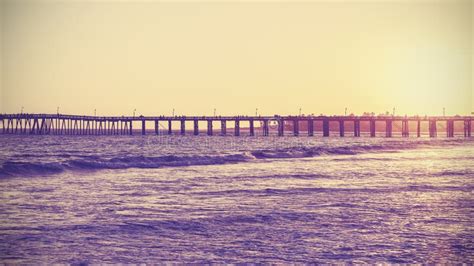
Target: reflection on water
224 199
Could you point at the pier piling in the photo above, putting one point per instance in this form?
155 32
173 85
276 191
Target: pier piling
196 127
341 128
372 128
251 128
325 128
310 127
388 128
405 129
182 129
209 127
281 127
223 127
237 128
296 130
266 129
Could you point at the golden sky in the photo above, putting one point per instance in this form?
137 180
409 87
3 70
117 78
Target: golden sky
194 56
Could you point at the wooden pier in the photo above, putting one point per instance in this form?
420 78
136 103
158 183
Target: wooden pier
59 124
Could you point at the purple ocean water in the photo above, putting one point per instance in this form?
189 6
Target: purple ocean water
152 199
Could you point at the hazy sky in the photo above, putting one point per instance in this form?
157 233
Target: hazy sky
115 56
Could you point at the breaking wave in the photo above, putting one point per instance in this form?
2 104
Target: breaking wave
80 162
303 152
11 168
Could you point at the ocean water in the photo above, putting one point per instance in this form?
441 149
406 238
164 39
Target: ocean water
152 199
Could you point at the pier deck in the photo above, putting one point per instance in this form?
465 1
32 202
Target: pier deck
61 124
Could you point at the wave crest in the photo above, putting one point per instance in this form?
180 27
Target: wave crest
93 162
11 168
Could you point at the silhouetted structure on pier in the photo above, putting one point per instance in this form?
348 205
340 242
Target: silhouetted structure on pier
58 124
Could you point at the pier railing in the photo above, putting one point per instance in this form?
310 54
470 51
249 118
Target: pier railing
61 124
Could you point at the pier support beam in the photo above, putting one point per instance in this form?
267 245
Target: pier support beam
252 130
182 129
34 128
27 126
196 127
450 128
325 128
18 122
10 126
296 130
131 126
156 127
432 127
388 128
266 129
372 128
209 127
418 128
341 128
143 127
46 126
72 126
467 128
223 127
64 126
281 127
310 127
405 128
88 127
116 127
43 126
237 128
